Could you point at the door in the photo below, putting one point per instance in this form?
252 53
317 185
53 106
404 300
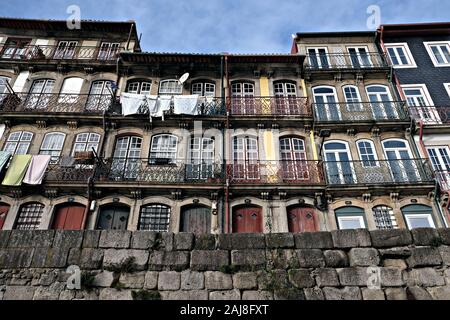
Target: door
327 107
113 218
318 58
16 49
338 164
286 98
40 94
242 98
353 104
201 155
245 156
3 213
359 57
420 104
196 220
99 96
127 158
69 217
402 166
247 220
301 220
65 50
440 159
293 159
108 51
381 102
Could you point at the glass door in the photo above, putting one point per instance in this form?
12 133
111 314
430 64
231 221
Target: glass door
127 158
293 159
403 167
440 159
242 98
327 104
40 94
420 105
286 98
381 103
245 156
201 157
338 164
360 57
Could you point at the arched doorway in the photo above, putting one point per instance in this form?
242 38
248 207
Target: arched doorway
302 219
69 216
195 219
4 208
247 219
113 217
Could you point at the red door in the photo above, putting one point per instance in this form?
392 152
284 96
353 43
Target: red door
247 220
3 212
302 220
69 217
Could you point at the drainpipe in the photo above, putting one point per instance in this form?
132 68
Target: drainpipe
227 126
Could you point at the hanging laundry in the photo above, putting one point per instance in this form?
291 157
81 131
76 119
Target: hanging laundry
164 105
4 158
36 169
185 104
17 170
152 104
132 102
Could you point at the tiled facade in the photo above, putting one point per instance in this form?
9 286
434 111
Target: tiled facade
320 139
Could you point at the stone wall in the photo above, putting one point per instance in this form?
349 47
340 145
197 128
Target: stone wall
344 265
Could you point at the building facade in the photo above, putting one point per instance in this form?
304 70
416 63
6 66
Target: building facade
319 139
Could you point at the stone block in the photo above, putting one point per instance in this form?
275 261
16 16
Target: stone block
254 295
143 240
280 240
417 293
192 280
248 258
347 293
440 293
310 258
326 277
4 238
301 278
314 294
354 277
169 260
282 259
185 295
395 253
19 293
205 242
169 280
363 257
91 258
395 294
215 280
391 277
345 239
313 240
395 263
423 257
225 295
15 257
444 234
424 277
91 238
241 241
104 279
372 294
426 237
151 280
114 294
391 238
445 254
202 260
289 294
116 239
133 280
245 280
183 241
336 259
272 280
123 258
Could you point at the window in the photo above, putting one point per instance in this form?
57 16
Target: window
318 58
285 89
353 101
30 216
108 50
66 50
440 159
360 57
170 87
420 103
127 155
293 159
163 149
400 55
327 107
100 95
447 87
401 163
338 163
201 157
242 101
205 89
350 218
40 94
439 53
15 49
86 142
4 85
384 218
381 102
154 217
18 142
52 145
418 216
367 153
245 158
70 90
139 87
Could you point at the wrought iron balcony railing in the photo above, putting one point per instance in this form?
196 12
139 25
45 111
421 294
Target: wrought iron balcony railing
58 52
210 106
443 177
359 111
50 102
431 114
158 171
303 172
269 106
67 170
337 61
375 172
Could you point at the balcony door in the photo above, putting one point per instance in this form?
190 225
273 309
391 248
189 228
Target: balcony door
201 157
338 163
40 94
100 95
359 57
15 49
318 58
420 103
286 98
440 159
326 100
402 166
245 159
127 154
381 102
354 105
242 98
65 50
293 159
108 51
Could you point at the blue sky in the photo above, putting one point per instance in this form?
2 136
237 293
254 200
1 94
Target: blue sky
238 26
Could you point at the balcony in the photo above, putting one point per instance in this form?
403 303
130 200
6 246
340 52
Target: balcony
158 171
66 170
378 172
287 172
53 52
443 177
359 112
345 61
270 106
55 103
431 115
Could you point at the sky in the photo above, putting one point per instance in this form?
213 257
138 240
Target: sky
235 26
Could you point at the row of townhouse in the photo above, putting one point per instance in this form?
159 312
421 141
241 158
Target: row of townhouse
327 137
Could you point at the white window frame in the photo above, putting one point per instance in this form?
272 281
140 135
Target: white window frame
428 113
140 84
375 155
203 85
341 218
440 168
431 53
408 55
18 142
358 54
87 144
171 91
48 151
423 215
447 88
156 150
327 55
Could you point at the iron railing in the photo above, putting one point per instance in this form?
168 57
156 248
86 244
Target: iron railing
67 170
269 106
295 172
158 171
57 52
211 106
443 177
333 61
359 111
374 172
431 114
50 102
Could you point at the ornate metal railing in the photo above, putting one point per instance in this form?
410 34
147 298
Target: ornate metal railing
57 52
431 115
158 171
330 61
67 170
295 172
373 172
211 106
443 177
269 106
50 102
359 111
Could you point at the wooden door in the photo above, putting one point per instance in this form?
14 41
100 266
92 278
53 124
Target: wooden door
196 220
247 220
3 213
69 217
113 217
302 220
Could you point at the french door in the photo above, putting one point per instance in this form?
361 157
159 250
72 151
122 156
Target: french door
127 154
69 217
381 103
420 104
242 98
66 50
40 94
318 58
99 96
293 159
360 57
338 164
403 167
286 98
108 51
201 157
440 159
245 159
327 103
15 49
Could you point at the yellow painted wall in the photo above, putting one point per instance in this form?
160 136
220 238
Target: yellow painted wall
264 90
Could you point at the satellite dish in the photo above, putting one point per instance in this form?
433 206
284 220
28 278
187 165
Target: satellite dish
183 78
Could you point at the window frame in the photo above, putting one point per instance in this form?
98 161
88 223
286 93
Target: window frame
172 160
75 142
429 217
50 150
352 213
203 84
26 223
19 141
423 88
170 93
140 83
148 217
317 55
429 44
375 155
392 218
408 54
447 88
